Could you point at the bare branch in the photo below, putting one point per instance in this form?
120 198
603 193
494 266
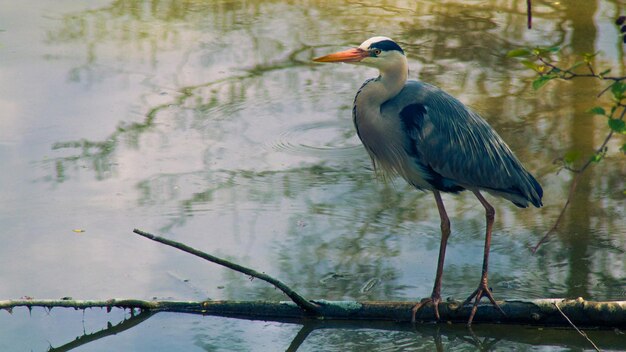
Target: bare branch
303 303
572 188
574 326
529 12
111 330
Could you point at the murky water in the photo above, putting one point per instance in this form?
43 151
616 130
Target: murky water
207 122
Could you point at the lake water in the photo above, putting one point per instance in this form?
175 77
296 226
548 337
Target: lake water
206 122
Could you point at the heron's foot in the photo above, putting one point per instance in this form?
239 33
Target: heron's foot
435 299
477 295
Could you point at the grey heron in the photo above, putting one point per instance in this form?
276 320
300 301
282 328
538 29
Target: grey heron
436 143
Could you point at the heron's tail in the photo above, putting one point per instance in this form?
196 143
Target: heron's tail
536 192
527 190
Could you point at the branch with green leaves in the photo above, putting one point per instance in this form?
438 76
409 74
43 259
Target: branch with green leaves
541 60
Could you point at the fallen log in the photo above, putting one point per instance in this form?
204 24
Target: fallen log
311 313
537 312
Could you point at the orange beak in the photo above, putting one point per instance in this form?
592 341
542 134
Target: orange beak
350 55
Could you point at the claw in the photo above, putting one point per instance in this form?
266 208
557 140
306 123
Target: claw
434 300
478 294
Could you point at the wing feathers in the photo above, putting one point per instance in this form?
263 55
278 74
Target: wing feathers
456 147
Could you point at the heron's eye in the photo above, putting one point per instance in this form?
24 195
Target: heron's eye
377 52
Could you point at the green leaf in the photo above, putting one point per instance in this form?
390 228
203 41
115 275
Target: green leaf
518 52
530 64
597 110
571 156
617 89
605 72
541 81
533 66
587 57
554 49
596 158
543 52
617 125
623 148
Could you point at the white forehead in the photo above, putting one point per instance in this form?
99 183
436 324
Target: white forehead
366 44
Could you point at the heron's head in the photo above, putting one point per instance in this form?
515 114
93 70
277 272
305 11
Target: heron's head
378 52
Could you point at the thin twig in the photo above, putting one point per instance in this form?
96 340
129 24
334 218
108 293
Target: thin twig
591 69
605 90
572 188
574 326
529 12
567 74
554 227
303 303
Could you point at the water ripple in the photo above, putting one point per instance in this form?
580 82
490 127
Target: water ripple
325 138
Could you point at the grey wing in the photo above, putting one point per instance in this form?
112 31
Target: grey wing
455 148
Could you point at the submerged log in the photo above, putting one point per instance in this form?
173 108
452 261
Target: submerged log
538 312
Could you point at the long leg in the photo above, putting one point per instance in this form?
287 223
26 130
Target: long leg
483 288
435 297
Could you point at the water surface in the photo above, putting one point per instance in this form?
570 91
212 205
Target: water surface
208 123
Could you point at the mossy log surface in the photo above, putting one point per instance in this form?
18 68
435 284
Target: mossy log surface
541 312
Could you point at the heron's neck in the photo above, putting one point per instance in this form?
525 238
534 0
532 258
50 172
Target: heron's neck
390 82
